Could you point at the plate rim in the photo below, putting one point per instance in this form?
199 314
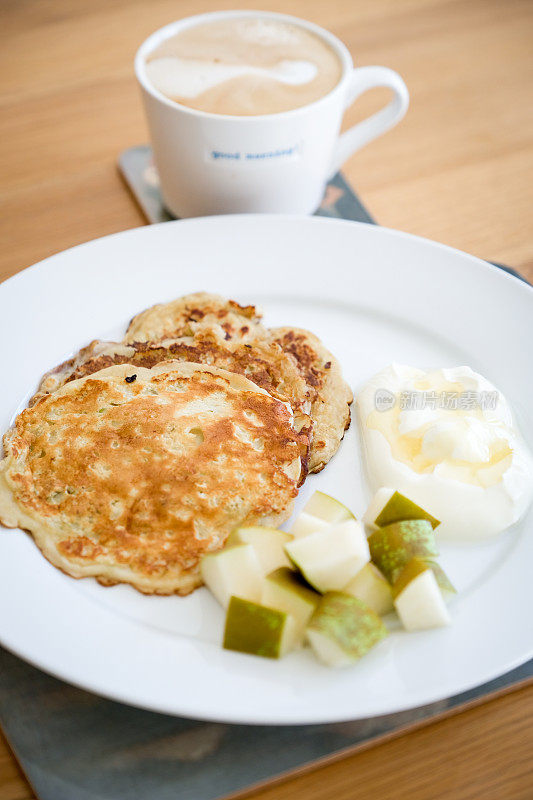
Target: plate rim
247 218
267 720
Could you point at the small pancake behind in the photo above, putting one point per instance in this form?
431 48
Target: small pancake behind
180 317
329 393
262 361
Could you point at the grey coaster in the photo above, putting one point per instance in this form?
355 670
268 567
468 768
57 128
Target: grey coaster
73 745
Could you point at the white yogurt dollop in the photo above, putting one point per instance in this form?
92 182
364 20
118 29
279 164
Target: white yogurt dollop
445 438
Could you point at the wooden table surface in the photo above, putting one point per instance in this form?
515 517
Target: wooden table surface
458 169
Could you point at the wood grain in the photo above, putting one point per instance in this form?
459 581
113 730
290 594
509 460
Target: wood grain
458 169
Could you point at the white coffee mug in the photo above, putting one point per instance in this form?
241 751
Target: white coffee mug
222 164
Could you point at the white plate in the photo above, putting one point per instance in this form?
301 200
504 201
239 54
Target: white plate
374 296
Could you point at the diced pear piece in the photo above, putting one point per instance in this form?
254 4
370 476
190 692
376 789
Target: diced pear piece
445 585
325 507
415 567
235 570
320 510
343 629
372 587
329 558
388 506
400 508
257 629
287 591
268 544
394 545
418 598
376 506
305 524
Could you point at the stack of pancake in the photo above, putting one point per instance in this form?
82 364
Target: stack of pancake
137 457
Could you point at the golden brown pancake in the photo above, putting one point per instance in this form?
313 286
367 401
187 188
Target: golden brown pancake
330 395
262 360
130 475
181 317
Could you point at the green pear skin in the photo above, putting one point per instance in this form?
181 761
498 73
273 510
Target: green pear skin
346 624
399 509
287 591
256 629
394 545
415 567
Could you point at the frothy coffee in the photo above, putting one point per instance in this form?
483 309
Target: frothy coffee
244 66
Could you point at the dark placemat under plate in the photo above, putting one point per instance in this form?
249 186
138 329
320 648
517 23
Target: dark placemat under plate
74 745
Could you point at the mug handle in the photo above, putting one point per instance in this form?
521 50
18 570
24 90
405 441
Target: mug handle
363 79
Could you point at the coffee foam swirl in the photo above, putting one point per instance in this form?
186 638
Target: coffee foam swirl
180 77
